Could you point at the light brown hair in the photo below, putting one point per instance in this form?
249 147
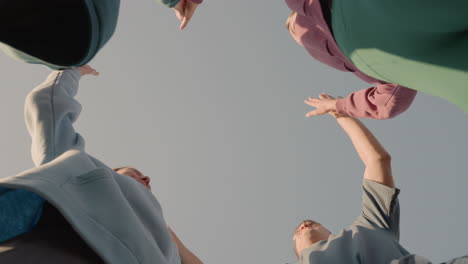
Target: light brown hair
289 25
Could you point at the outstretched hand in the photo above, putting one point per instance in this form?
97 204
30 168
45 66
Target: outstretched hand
86 69
184 11
325 104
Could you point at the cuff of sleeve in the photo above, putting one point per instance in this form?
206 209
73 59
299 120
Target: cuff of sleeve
341 106
380 188
75 73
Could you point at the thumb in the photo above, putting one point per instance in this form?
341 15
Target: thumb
184 23
179 14
312 113
189 11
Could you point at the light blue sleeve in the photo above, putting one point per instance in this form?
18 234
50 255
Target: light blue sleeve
50 111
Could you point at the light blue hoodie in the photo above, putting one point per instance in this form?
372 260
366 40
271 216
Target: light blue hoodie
117 216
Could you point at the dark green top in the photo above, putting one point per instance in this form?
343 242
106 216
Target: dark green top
102 16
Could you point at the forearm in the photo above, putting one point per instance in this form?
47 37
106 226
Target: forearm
372 153
367 146
186 256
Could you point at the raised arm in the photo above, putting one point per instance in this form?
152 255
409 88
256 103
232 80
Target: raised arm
380 102
186 256
380 206
374 156
371 152
50 111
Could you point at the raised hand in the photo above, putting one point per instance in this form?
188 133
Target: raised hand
324 104
184 11
86 69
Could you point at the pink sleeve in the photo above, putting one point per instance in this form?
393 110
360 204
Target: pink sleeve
380 102
197 1
302 7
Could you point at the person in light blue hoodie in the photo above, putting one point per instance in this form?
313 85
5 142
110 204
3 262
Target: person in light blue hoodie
111 214
63 34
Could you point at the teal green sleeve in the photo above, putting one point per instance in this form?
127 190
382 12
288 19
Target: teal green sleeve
170 3
20 212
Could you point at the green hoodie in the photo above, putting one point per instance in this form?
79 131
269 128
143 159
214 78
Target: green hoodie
103 16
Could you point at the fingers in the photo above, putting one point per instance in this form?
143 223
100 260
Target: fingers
91 70
326 96
311 101
179 14
179 10
86 69
319 103
184 23
190 8
314 103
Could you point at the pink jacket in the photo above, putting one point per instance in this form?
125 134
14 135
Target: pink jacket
385 100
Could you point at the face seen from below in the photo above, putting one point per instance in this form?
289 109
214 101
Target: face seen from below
135 174
308 233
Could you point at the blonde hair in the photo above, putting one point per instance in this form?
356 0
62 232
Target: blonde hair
289 25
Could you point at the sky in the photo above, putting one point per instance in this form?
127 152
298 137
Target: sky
214 115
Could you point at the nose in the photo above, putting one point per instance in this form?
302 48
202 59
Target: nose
146 179
306 224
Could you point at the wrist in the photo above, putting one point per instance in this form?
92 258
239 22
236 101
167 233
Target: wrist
74 72
331 106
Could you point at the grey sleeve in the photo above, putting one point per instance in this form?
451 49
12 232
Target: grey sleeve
411 259
380 207
50 111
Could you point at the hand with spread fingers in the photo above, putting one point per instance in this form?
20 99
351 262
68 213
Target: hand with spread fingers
325 104
184 11
86 69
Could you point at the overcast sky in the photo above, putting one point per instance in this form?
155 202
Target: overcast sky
215 116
